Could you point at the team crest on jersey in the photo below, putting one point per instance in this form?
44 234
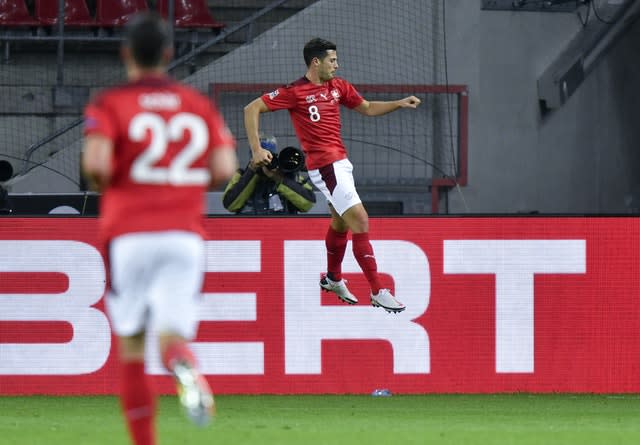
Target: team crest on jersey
335 94
273 94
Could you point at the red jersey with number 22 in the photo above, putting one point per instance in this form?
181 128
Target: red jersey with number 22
315 113
163 133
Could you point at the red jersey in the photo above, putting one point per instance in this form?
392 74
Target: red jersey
315 113
163 133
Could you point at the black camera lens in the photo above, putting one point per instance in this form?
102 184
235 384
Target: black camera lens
291 160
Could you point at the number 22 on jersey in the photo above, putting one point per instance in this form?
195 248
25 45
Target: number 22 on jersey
180 170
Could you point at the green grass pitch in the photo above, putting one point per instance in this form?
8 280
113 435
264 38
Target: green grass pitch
521 419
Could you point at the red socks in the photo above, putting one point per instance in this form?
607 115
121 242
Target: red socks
363 252
177 351
138 403
336 243
137 399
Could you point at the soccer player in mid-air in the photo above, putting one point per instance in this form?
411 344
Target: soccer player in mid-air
152 147
314 102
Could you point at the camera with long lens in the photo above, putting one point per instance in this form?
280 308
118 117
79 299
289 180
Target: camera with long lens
289 160
274 162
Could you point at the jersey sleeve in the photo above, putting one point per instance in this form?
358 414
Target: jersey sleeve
98 120
282 98
350 97
219 133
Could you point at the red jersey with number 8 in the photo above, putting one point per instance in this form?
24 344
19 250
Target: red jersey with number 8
315 113
163 133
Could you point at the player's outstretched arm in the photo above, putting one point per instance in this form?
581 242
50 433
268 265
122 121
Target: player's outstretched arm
378 108
96 161
410 102
223 163
259 155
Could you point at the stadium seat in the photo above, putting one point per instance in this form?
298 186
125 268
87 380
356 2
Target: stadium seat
15 13
117 12
76 13
190 14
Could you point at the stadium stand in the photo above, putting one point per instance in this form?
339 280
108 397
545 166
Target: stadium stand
15 13
191 14
76 13
45 84
110 13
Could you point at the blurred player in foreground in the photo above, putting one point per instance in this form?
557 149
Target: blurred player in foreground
152 147
314 102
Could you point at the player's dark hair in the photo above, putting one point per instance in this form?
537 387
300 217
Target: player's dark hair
317 48
147 35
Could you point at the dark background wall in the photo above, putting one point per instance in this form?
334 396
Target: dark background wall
579 158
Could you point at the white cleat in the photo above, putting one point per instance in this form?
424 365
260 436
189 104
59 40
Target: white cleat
339 288
387 301
194 394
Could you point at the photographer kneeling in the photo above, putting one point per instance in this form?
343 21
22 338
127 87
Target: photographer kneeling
279 188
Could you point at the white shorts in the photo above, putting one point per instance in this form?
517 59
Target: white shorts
156 279
336 183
